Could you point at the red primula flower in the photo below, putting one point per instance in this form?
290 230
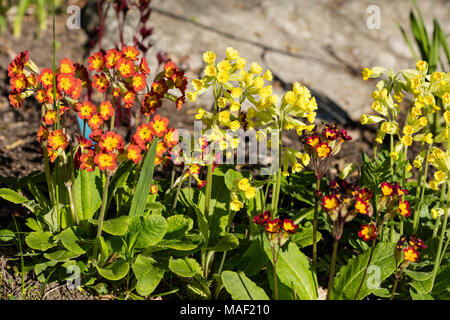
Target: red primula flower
403 208
83 142
410 254
100 82
15 69
96 62
273 226
111 141
323 150
330 202
313 141
262 218
180 81
42 134
106 161
66 82
361 206
149 104
169 69
289 226
86 110
18 83
387 189
96 135
143 66
106 110
159 88
400 192
87 161
66 66
154 189
331 133
125 67
180 101
159 125
368 232
16 100
50 94
129 98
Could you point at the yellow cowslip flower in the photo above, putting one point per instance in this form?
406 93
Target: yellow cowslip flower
250 193
389 127
377 106
394 155
439 176
210 70
234 143
408 167
209 57
364 119
407 140
446 98
222 102
224 117
437 76
240 63
438 153
268 75
288 126
416 112
447 116
232 54
285 173
305 159
236 205
429 99
408 130
398 97
431 158
311 117
236 92
200 113
192 96
224 66
235 125
265 91
375 95
417 163
297 167
235 107
197 84
428 138
223 145
223 76
422 121
290 97
422 66
366 73
256 68
434 185
435 213
251 113
415 83
258 82
244 184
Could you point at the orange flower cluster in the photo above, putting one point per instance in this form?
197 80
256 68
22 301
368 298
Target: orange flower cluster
320 146
346 201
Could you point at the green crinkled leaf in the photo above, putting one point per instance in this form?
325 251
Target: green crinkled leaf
12 196
242 288
349 277
180 245
145 181
232 177
39 240
61 255
147 231
442 282
33 224
87 193
185 267
115 271
375 171
116 227
148 275
7 235
253 260
294 270
415 295
225 243
177 226
304 237
420 276
70 239
424 286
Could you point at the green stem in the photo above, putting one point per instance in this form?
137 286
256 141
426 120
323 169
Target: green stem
48 176
332 268
438 219
102 215
316 210
22 262
420 185
365 270
275 278
394 288
208 190
392 160
55 104
72 203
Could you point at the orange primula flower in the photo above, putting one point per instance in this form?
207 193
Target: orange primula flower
112 56
154 189
86 110
66 66
106 161
144 133
77 88
130 52
66 82
161 148
125 67
129 98
159 88
46 78
50 95
368 232
100 82
15 69
18 83
138 81
149 104
95 121
96 135
50 117
16 100
32 80
159 125
169 69
111 141
143 66
42 134
134 153
96 62
410 254
57 139
180 81
84 143
87 161
41 96
106 110
330 202
171 138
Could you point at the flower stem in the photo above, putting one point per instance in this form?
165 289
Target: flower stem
332 268
438 219
365 270
275 278
316 209
420 185
394 288
208 190
48 176
102 215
